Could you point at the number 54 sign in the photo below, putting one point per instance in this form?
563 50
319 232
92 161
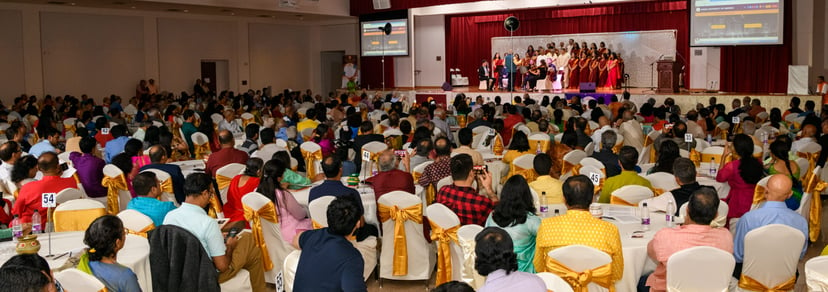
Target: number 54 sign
47 200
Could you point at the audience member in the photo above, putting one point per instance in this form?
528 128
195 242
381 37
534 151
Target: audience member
292 216
465 138
441 168
390 178
158 157
518 147
666 157
439 121
250 145
807 136
241 185
366 136
781 164
29 198
627 158
422 151
742 175
227 155
545 183
31 261
101 131
229 255
16 132
606 155
188 128
460 197
10 152
89 168
453 286
291 180
116 145
604 126
25 279
105 237
496 260
515 213
685 172
148 190
51 137
229 123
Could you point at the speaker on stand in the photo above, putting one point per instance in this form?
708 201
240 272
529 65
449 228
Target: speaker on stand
511 24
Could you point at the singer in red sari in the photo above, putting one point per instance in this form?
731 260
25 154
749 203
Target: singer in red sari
574 72
613 72
603 73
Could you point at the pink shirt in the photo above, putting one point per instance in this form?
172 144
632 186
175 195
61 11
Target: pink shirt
741 193
668 241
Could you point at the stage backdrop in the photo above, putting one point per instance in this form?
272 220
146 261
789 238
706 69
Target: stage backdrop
639 49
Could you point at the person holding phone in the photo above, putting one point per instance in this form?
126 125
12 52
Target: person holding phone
471 207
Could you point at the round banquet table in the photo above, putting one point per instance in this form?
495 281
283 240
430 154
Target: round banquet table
704 178
190 166
366 193
636 261
134 255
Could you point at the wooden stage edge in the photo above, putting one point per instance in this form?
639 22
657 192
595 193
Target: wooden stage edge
686 99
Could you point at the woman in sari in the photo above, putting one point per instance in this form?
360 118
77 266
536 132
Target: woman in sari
780 164
497 65
574 72
612 75
515 213
593 69
584 65
241 185
603 73
292 216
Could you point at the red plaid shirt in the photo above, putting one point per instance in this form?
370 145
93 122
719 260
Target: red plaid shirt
471 207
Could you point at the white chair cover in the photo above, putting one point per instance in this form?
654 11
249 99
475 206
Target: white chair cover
589 161
700 269
714 151
478 134
230 171
662 180
574 157
772 254
318 210
67 195
162 176
721 214
134 220
684 153
421 254
633 194
554 283
289 268
374 148
444 182
267 151
763 183
217 118
277 247
466 235
311 147
124 196
590 148
442 216
701 144
579 258
76 280
803 166
816 274
239 283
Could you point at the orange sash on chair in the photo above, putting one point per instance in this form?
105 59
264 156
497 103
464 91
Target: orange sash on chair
580 280
142 232
310 161
113 187
812 162
76 220
413 213
444 237
619 201
266 212
529 174
201 150
758 195
533 146
815 186
750 284
246 122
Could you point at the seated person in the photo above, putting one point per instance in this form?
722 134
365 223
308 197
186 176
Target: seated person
148 189
105 237
627 157
29 198
496 259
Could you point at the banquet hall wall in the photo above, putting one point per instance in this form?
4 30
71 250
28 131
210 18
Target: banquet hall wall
95 51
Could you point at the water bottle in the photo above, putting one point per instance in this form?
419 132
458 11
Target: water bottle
645 217
17 227
538 151
544 205
671 211
713 167
36 228
709 139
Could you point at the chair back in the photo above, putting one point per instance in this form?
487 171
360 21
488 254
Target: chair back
76 280
318 210
164 178
478 134
247 118
444 182
522 165
444 218
589 161
270 232
630 195
374 148
416 257
662 182
590 148
289 268
116 184
312 153
700 269
771 256
572 158
816 273
721 214
307 134
76 215
136 222
465 236
759 193
224 175
267 151
539 139
712 152
554 283
701 144
201 145
592 170
67 195
579 258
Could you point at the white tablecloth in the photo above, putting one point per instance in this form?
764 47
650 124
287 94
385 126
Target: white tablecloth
704 178
134 255
190 166
369 201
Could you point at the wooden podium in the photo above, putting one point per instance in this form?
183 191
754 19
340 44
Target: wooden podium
668 74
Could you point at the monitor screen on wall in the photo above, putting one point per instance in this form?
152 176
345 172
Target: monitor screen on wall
735 22
375 42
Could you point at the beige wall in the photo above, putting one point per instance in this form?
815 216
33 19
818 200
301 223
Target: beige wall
69 50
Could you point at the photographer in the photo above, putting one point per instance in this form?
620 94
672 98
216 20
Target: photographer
470 206
674 133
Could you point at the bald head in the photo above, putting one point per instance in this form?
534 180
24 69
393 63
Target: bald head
779 188
226 138
603 121
808 130
48 163
157 154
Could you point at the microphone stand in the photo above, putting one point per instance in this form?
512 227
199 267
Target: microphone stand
652 76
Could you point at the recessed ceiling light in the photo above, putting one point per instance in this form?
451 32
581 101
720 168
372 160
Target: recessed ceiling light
185 10
56 2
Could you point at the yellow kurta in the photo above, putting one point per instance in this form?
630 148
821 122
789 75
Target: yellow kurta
510 155
552 187
579 227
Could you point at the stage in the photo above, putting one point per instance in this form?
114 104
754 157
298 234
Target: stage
685 99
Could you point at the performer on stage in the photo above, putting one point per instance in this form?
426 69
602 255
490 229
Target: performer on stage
603 49
822 89
484 75
584 64
612 75
593 69
574 71
563 65
603 74
497 62
620 71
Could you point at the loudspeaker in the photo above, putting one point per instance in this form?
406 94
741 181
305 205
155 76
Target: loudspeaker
382 4
587 86
446 86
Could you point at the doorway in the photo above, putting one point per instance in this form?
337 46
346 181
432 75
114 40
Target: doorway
216 74
331 62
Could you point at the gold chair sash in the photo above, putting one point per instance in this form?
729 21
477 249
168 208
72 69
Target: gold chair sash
815 186
716 157
812 162
648 141
696 157
444 237
431 193
657 192
310 161
653 154
758 195
751 284
413 213
266 212
142 232
70 129
617 148
166 186
580 280
619 201
76 220
529 174
223 182
567 167
461 121
113 185
544 146
316 225
246 122
201 150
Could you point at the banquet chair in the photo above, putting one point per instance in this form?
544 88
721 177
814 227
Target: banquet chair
803 164
662 182
592 170
401 214
758 152
714 153
478 134
558 138
164 179
429 192
523 166
811 152
536 140
721 130
700 269
590 148
465 237
805 203
282 143
684 153
701 144
630 195
576 259
77 280
816 274
115 182
67 195
307 134
444 225
224 175
761 117
721 214
367 248
68 126
289 270
590 161
259 208
571 159
201 145
444 182
312 153
373 148
593 125
770 258
267 151
76 215
554 283
136 222
247 118
759 193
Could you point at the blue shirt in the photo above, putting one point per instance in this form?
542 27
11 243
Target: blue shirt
114 147
771 212
151 207
334 188
176 176
508 63
115 277
284 136
41 147
205 228
328 263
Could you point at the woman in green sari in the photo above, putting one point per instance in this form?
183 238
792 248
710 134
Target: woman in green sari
515 213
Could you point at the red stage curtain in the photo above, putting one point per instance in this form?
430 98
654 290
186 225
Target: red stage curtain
468 37
371 72
761 69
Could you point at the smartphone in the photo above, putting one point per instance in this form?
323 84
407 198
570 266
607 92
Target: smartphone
64 167
233 232
479 169
222 221
400 153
